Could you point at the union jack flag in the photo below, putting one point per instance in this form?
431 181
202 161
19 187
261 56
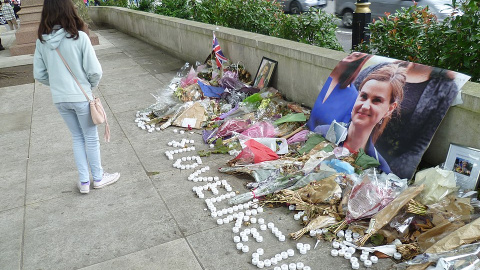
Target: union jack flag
219 57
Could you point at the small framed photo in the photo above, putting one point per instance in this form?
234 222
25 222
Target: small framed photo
464 161
264 73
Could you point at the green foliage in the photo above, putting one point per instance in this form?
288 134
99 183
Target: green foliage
218 149
266 17
143 5
459 41
206 12
377 239
258 16
176 8
405 35
314 27
415 35
117 3
82 11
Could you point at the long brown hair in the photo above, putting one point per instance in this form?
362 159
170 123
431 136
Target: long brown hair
63 13
396 75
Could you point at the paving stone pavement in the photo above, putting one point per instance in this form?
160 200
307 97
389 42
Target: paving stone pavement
149 219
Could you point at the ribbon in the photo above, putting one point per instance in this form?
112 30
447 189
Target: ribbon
254 196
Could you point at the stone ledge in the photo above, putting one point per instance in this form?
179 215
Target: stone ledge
28 3
31 9
27 34
302 69
292 49
23 48
30 15
307 54
471 97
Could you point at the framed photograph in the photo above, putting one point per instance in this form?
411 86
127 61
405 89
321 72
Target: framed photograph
404 136
264 73
464 161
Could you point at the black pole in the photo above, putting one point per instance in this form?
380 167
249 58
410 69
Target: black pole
361 18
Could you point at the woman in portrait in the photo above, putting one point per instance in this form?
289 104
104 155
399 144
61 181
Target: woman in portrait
428 92
336 99
262 80
379 97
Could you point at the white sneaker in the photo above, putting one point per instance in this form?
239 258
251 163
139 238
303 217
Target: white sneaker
107 179
84 187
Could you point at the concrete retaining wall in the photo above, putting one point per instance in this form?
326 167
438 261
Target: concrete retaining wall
302 69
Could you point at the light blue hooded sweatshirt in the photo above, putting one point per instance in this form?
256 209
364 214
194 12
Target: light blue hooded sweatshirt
49 69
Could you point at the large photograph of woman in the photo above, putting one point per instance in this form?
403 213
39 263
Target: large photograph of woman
398 107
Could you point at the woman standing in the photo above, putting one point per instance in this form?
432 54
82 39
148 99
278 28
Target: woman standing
61 28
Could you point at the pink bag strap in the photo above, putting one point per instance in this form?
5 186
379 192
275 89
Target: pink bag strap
73 75
107 126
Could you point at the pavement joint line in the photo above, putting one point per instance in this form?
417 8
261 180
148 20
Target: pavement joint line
26 181
192 249
166 205
146 171
194 253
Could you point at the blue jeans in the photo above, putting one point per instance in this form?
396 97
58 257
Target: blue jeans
86 146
